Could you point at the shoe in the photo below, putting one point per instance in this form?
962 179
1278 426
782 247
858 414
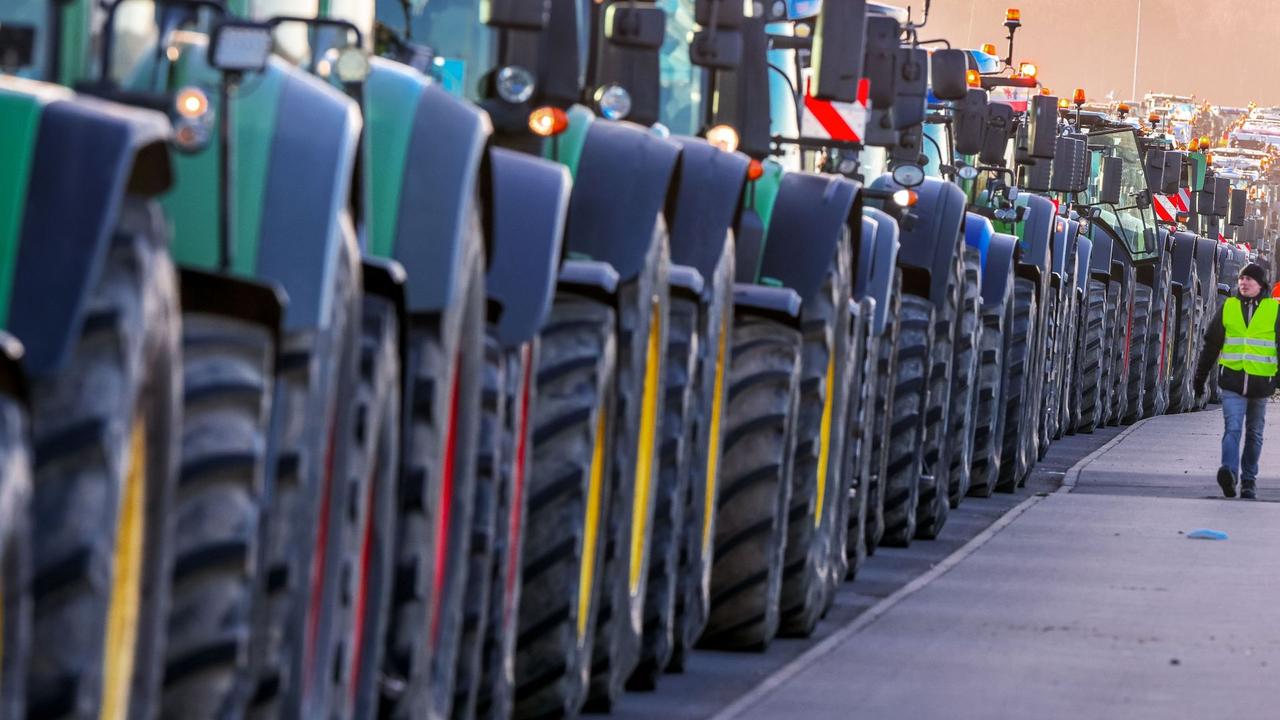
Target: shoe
1248 494
1227 481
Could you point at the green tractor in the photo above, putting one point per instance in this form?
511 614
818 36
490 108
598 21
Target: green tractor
91 380
291 375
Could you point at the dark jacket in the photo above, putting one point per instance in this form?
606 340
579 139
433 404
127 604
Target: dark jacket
1237 381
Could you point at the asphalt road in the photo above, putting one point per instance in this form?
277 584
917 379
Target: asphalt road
1089 602
713 680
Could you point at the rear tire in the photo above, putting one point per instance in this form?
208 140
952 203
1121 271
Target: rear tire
672 491
228 368
1138 346
567 487
990 416
759 451
901 486
1091 354
15 557
939 443
1015 457
964 393
883 413
435 500
818 481
106 447
642 337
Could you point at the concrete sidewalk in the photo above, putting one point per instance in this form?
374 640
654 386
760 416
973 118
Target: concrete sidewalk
1089 604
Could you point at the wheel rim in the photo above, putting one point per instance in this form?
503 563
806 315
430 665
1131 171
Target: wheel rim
713 446
648 436
824 442
126 582
446 500
591 527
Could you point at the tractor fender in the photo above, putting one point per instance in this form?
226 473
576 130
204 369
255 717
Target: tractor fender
687 281
592 278
706 203
1100 262
805 228
1037 236
748 236
780 303
997 273
883 266
1206 266
305 217
1058 256
1184 258
530 198
622 184
426 151
85 156
930 231
1084 252
386 278
977 233
13 380
864 255
244 299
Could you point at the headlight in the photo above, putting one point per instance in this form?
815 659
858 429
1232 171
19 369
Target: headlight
723 137
514 84
191 103
613 101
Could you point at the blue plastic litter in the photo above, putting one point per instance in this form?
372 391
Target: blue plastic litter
1206 534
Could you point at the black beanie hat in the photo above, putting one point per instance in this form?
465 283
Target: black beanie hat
1256 272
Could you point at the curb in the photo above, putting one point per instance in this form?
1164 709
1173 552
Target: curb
1073 474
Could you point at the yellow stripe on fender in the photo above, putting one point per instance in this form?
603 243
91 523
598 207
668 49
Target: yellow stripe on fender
713 447
824 442
126 582
591 530
645 447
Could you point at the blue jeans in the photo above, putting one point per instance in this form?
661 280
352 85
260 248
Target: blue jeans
1251 413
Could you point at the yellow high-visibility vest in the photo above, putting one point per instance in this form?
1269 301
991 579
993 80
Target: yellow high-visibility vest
1252 347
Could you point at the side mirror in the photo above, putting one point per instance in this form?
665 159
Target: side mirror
1172 173
713 13
1112 170
879 65
1063 166
1042 116
909 147
948 70
969 122
1222 197
1083 163
995 137
639 27
838 50
718 49
17 46
1239 200
515 14
239 46
1153 166
910 101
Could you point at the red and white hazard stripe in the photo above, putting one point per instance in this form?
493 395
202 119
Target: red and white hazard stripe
1166 208
825 119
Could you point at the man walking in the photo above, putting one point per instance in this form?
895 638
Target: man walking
1243 338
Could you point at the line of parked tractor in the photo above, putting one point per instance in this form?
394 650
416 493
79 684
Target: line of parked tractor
484 358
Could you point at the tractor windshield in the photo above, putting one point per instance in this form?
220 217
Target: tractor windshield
1136 223
681 99
462 44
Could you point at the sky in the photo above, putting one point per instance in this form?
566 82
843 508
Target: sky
1223 51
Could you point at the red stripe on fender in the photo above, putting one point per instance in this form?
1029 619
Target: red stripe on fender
446 500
